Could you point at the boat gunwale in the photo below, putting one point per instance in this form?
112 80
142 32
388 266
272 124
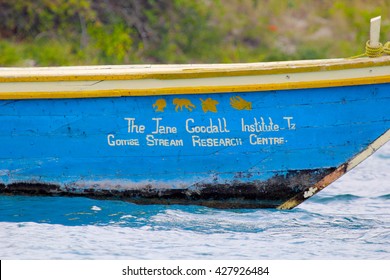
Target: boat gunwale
114 81
192 90
190 71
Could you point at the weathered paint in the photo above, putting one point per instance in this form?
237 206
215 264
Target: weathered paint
268 148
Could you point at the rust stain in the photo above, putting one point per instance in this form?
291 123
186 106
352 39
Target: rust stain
312 190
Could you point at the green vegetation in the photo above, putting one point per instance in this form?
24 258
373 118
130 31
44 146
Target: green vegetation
81 32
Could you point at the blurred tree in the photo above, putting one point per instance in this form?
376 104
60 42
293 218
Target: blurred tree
27 19
62 32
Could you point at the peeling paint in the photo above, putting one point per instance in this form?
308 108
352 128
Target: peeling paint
310 192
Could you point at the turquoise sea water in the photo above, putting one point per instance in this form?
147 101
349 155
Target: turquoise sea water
348 220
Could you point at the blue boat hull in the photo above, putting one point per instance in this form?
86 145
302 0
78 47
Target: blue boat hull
248 149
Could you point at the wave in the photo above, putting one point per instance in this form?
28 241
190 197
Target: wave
385 196
334 198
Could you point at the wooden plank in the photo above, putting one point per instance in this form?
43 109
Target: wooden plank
375 28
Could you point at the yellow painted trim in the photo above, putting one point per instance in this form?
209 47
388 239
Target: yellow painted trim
193 90
228 70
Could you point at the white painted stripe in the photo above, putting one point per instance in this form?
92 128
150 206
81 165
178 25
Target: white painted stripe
163 68
372 148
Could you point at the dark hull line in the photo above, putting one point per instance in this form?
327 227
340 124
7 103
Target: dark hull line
259 194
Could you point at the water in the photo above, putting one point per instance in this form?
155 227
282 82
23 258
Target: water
348 220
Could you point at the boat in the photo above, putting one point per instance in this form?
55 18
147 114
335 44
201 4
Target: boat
249 135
